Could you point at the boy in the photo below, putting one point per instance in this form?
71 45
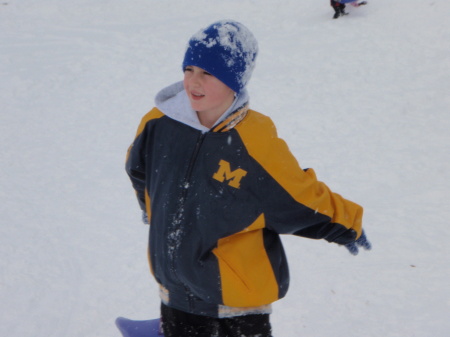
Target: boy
339 6
218 187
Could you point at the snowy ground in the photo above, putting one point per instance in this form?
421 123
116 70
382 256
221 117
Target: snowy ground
364 100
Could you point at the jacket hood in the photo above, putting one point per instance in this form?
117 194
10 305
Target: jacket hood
174 103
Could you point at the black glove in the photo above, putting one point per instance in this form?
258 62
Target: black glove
361 242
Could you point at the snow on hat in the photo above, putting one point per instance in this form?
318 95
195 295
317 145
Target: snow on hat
227 50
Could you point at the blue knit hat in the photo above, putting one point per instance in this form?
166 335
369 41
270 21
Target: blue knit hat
227 50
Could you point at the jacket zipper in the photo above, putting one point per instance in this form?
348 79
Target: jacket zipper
194 156
177 230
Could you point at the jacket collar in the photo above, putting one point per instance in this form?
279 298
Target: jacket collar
232 120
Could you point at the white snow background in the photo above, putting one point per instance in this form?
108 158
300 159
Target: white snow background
364 100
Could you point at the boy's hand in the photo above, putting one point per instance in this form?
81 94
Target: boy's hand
361 242
145 218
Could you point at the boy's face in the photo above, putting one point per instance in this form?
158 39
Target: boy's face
208 95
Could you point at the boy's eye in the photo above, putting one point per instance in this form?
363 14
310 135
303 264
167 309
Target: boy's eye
191 69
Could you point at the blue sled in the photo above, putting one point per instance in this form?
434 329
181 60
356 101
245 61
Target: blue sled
130 328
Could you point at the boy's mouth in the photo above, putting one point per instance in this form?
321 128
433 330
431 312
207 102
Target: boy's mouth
196 96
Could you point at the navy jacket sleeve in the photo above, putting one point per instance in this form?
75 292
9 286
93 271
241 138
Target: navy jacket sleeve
135 163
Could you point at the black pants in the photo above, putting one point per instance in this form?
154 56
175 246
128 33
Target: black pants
177 323
337 6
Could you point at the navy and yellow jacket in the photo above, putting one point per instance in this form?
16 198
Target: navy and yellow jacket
217 202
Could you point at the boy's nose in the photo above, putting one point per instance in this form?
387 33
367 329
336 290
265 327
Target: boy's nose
196 79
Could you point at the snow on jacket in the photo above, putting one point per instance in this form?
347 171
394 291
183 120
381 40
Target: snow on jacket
217 201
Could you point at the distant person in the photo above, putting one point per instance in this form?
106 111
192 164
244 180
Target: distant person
218 188
339 6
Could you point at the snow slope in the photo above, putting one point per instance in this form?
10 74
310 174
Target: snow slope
363 99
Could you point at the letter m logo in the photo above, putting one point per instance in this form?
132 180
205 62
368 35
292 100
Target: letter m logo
225 173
